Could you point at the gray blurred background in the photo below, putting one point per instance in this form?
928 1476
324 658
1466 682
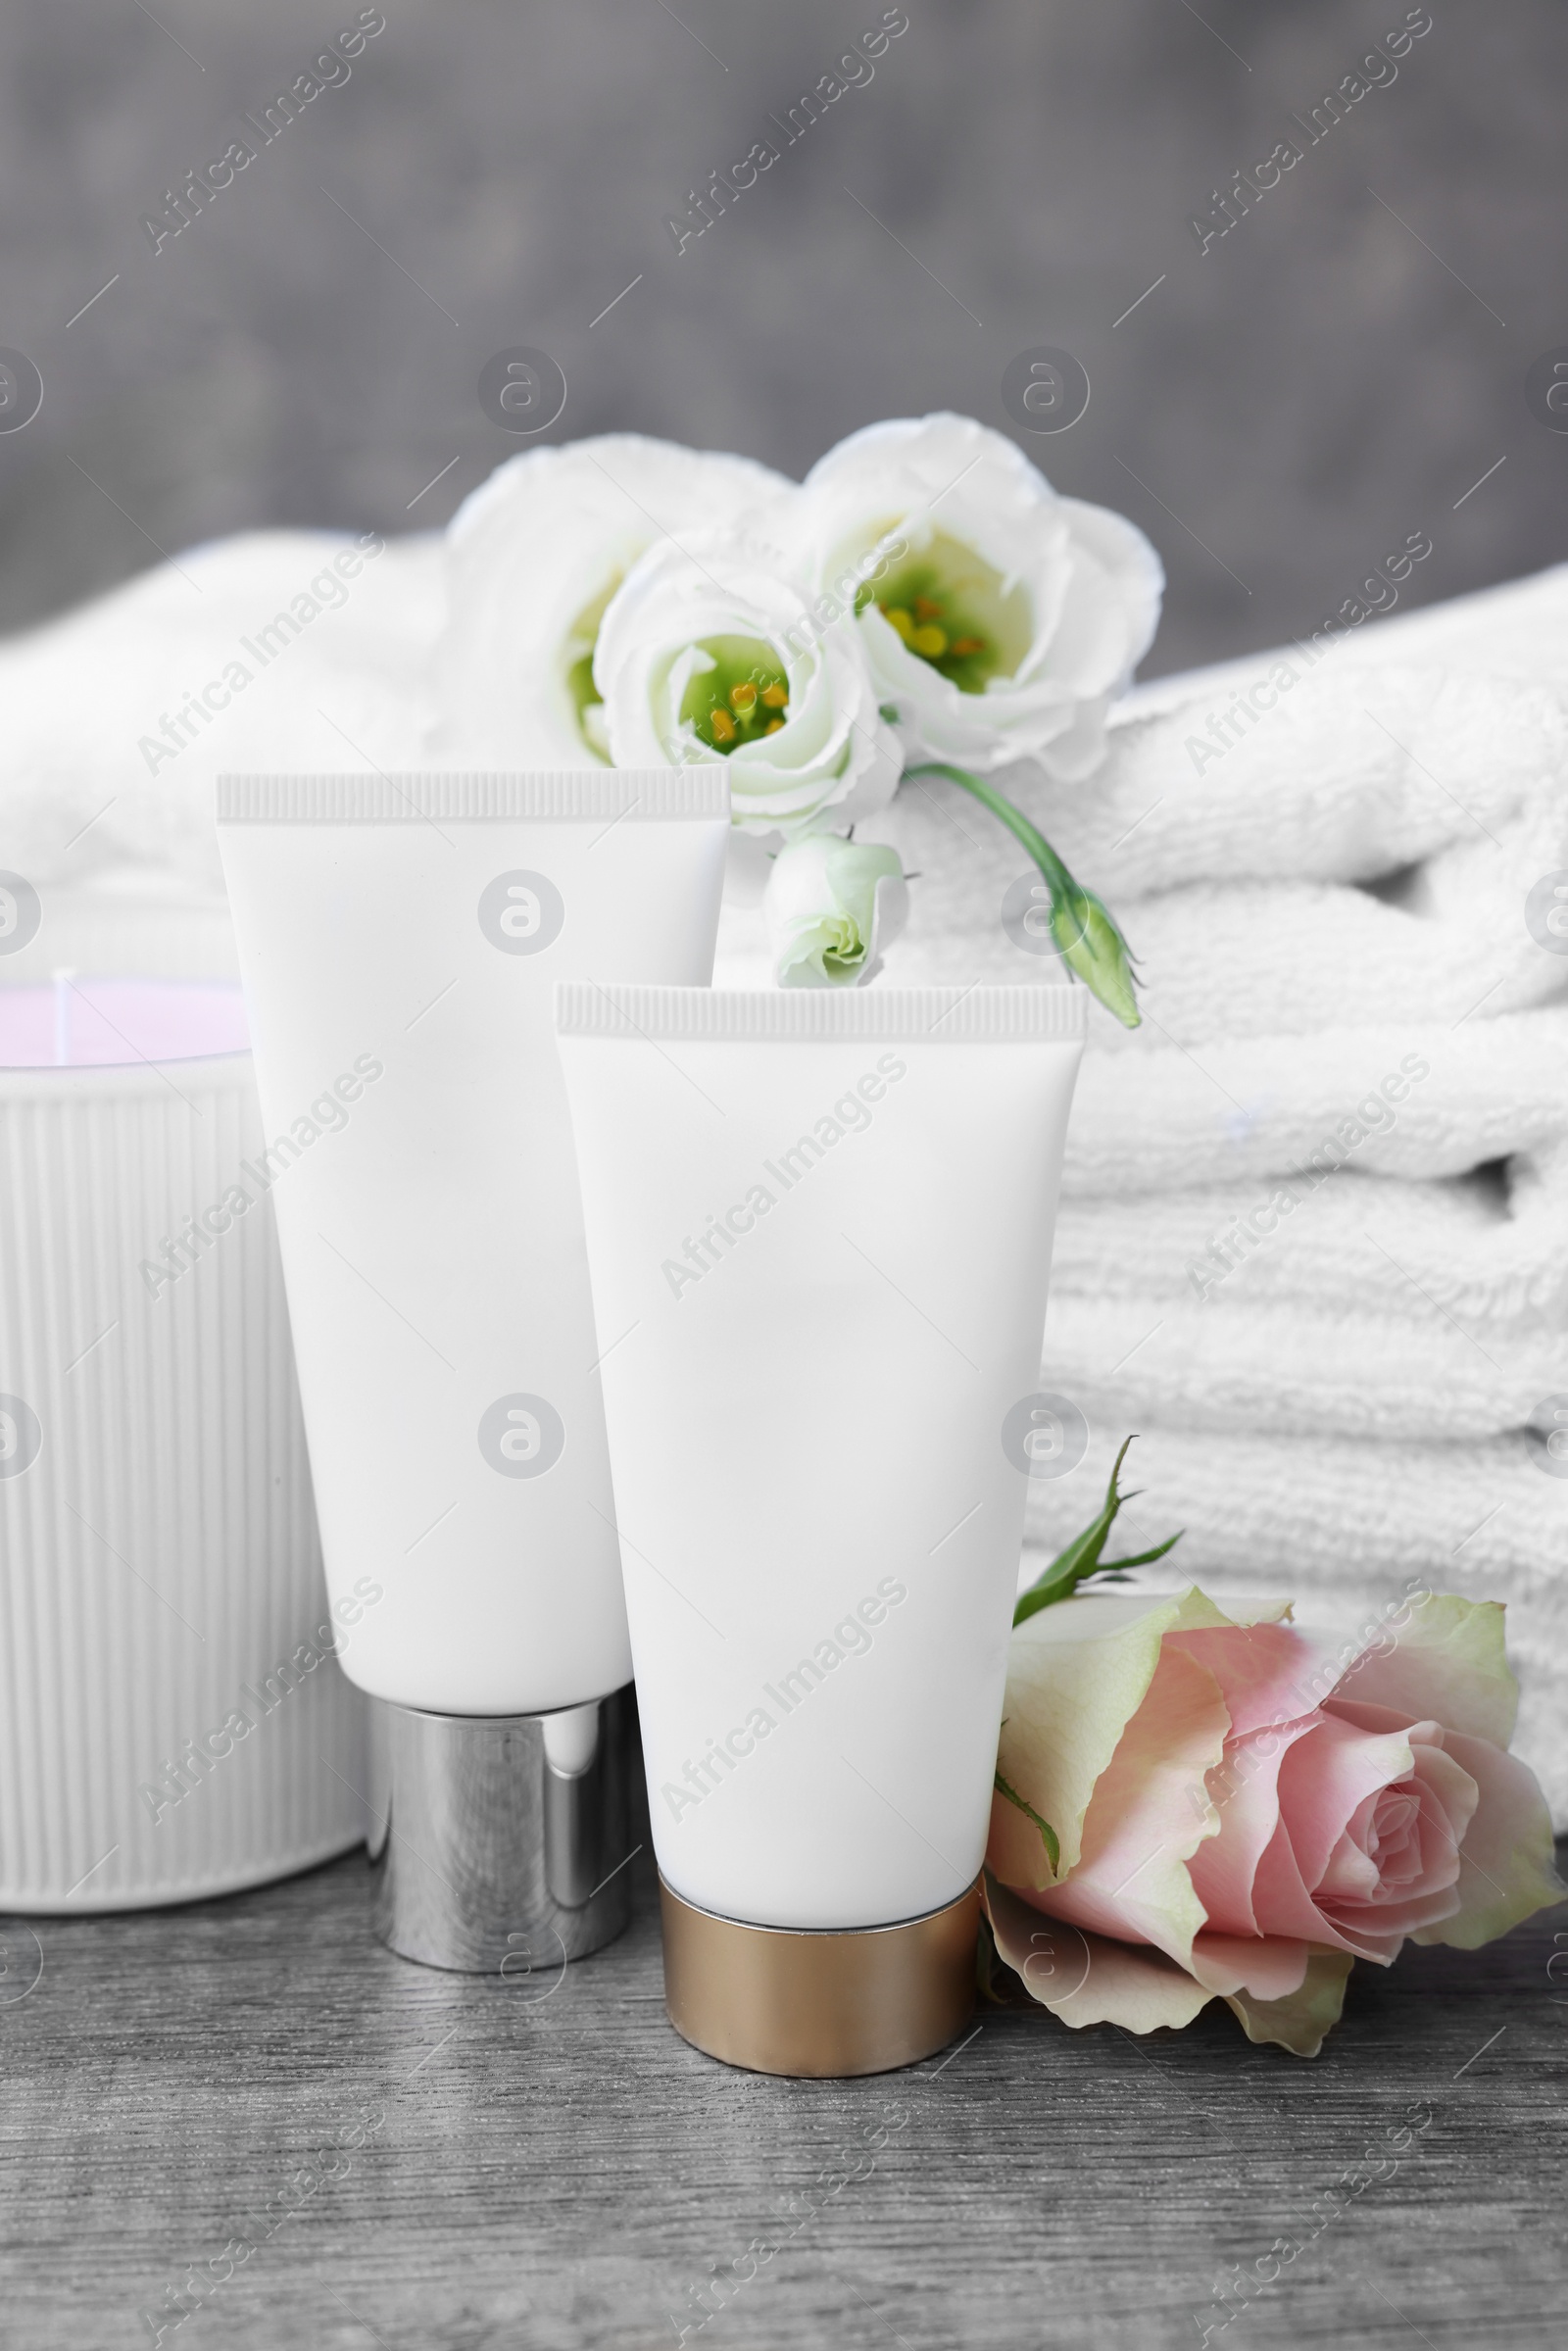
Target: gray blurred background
1278 414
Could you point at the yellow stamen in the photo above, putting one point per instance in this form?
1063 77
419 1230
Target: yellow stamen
772 726
900 619
929 640
963 646
776 696
724 726
743 698
926 610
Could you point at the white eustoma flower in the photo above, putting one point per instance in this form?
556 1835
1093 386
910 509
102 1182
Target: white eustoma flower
832 906
1000 619
710 651
532 559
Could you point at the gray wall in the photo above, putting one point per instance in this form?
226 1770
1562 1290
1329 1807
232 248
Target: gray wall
1278 414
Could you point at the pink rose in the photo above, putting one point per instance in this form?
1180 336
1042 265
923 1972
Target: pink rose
1237 1814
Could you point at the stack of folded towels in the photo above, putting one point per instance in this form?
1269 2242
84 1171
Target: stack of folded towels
1313 1239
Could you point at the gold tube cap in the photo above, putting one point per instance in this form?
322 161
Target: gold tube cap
821 2004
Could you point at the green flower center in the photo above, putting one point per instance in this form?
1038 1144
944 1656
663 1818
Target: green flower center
951 609
743 695
847 950
581 640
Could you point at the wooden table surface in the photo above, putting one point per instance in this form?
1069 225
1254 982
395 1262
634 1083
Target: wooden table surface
490 2165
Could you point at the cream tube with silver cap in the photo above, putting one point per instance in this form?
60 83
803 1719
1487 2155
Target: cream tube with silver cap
400 938
823 1298
499 1844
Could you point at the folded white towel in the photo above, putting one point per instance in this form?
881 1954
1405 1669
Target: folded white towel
280 649
1352 773
1300 1370
1343 1523
1319 1425
1490 1250
1516 630
1436 941
1277 958
1249 1108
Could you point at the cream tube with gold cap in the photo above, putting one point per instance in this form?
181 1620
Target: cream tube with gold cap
819 1228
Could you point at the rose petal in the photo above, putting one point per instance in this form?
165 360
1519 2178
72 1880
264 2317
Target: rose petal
1094 1980
1264 1671
1391 1922
1351 1876
1268 1967
1280 1896
1090 1979
1299 2021
1366 1717
1149 1815
1245 1791
1077 1673
1422 1888
1325 1776
1447 1796
1388 1827
1505 1861
1447 1664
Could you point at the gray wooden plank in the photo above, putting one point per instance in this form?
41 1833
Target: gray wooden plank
554 2167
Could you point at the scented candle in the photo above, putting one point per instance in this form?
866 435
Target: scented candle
173 1719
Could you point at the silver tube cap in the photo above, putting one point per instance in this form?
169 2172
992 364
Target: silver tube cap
498 1843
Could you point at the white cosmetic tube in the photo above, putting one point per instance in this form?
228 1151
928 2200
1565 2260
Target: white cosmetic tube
819 1228
400 938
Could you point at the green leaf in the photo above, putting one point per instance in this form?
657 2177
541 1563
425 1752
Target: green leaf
1082 1557
1048 1834
1114 1567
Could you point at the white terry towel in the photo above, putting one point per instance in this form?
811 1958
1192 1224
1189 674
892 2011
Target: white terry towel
1435 940
1354 774
1246 1108
1318 1293
264 654
1487 1251
1343 1523
1276 960
1518 630
1300 1370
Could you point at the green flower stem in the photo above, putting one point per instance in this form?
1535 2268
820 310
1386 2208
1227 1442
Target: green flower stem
1084 1557
1048 1834
1086 936
1016 822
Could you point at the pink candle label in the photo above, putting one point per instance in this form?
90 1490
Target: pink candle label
93 1025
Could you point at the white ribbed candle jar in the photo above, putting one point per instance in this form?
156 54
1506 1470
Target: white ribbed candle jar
160 1574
